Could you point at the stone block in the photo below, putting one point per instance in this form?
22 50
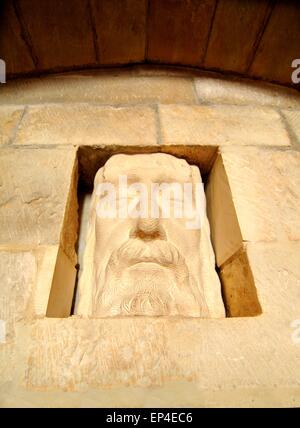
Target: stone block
293 119
222 125
88 125
146 354
102 87
34 197
9 119
265 188
18 272
239 291
216 90
224 224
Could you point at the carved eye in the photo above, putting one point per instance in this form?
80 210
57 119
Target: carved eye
128 194
170 193
103 194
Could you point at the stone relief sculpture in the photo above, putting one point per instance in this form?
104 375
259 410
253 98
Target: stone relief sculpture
138 263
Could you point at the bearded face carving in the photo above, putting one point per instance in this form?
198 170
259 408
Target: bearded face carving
147 278
142 264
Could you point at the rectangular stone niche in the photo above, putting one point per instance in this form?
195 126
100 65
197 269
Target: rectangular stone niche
232 265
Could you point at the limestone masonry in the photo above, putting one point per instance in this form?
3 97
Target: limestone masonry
83 320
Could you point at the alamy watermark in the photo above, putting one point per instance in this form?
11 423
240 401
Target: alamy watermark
2 331
2 71
296 333
152 200
296 73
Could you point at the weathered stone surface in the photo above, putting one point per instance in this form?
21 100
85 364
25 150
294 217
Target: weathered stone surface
137 352
293 120
235 28
7 369
276 271
84 202
35 188
37 281
49 291
239 291
89 355
146 85
246 361
9 118
46 260
26 279
18 274
60 297
265 188
168 19
88 125
252 195
121 30
222 125
69 232
117 87
218 90
27 274
224 224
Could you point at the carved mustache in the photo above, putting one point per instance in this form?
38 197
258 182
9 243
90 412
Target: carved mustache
136 251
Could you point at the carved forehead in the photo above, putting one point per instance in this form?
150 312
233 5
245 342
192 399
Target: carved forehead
160 166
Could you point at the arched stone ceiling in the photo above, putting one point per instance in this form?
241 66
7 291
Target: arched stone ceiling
255 38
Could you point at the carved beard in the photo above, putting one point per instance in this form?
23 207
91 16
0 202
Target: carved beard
147 278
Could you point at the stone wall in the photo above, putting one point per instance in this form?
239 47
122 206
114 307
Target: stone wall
245 137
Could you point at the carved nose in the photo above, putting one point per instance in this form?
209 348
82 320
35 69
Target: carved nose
148 228
148 225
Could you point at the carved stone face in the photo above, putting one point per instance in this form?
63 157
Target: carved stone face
144 265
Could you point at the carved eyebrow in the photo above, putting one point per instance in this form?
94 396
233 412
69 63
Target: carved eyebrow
133 178
171 178
160 178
